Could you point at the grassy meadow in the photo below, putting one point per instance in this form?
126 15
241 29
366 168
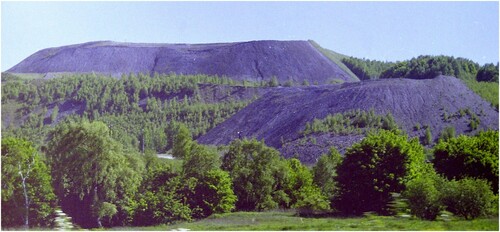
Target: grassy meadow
289 221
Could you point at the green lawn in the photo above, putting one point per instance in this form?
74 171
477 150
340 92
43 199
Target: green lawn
287 221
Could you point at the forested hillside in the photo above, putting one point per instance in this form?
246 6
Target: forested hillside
137 108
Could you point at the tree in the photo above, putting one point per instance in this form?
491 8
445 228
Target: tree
303 193
324 172
489 72
182 142
27 195
213 191
428 136
465 156
447 133
93 177
160 201
372 169
53 115
253 168
274 82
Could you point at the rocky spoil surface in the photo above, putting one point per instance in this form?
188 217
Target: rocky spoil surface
279 116
255 61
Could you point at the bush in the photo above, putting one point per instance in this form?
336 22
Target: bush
469 198
379 165
424 196
466 156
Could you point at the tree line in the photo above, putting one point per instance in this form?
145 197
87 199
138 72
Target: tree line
102 183
139 109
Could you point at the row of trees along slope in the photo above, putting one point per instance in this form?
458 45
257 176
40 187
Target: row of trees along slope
481 79
99 182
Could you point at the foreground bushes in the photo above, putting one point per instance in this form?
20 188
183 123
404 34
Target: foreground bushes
100 183
424 195
468 198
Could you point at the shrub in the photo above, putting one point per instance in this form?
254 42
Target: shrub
466 156
424 196
380 164
469 198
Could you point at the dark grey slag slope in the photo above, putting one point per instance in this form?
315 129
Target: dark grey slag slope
255 60
282 114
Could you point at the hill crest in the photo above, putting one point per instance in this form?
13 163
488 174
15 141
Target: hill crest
254 60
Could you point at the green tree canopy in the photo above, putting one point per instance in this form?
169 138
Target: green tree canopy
489 72
372 169
324 172
212 192
182 143
27 195
254 167
465 156
93 177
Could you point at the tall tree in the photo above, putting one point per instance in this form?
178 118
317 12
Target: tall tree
253 167
182 142
324 172
27 195
92 175
213 191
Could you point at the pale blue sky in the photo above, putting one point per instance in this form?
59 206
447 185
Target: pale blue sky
376 30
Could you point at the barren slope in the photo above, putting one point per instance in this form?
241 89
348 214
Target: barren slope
255 60
280 115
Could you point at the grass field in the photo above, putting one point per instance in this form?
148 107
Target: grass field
487 90
288 221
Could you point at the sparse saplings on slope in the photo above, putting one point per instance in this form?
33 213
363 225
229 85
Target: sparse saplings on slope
428 136
27 195
379 165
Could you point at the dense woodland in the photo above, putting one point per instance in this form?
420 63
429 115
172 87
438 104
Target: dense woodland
138 108
88 143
